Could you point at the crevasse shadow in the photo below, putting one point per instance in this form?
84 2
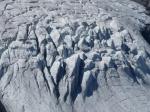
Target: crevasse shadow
2 108
146 33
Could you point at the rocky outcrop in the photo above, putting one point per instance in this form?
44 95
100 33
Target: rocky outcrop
57 57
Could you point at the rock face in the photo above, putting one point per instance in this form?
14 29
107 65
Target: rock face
74 56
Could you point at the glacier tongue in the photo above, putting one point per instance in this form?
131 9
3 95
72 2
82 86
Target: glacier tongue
74 56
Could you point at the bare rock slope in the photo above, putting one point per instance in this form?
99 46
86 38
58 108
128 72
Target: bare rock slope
74 56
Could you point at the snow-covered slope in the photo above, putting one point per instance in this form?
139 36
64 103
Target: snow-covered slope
146 3
74 56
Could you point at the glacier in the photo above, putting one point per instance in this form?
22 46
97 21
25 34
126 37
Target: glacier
74 56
